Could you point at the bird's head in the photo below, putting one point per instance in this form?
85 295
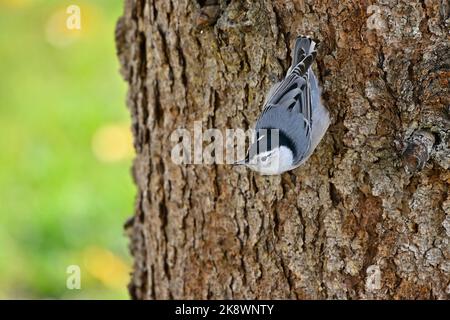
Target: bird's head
266 155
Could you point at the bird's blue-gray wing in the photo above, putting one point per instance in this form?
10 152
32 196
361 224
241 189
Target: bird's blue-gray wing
288 108
291 131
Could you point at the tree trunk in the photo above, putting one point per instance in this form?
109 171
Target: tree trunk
367 217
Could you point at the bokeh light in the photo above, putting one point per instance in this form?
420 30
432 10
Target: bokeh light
112 143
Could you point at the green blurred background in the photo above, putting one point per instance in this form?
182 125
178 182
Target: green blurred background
65 152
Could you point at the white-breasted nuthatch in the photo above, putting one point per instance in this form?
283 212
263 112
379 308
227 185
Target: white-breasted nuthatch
293 120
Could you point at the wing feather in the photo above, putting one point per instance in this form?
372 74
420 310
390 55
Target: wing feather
288 106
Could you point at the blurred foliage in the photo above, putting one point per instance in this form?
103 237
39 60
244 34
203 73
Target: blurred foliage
65 152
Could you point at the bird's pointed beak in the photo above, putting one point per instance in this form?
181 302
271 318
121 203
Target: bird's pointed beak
242 162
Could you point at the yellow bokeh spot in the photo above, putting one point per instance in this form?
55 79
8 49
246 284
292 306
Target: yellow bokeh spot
15 3
106 267
113 143
70 23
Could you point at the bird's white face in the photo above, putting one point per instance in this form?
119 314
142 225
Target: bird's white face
272 162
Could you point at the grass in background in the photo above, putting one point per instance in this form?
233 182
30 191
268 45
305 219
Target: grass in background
65 151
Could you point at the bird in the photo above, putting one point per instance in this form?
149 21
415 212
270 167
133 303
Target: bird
293 120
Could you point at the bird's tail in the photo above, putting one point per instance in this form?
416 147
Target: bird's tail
304 51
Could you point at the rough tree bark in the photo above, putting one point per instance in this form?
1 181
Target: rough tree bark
368 216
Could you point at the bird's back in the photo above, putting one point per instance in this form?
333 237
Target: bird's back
290 104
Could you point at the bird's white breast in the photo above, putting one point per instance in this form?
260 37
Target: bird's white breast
282 161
